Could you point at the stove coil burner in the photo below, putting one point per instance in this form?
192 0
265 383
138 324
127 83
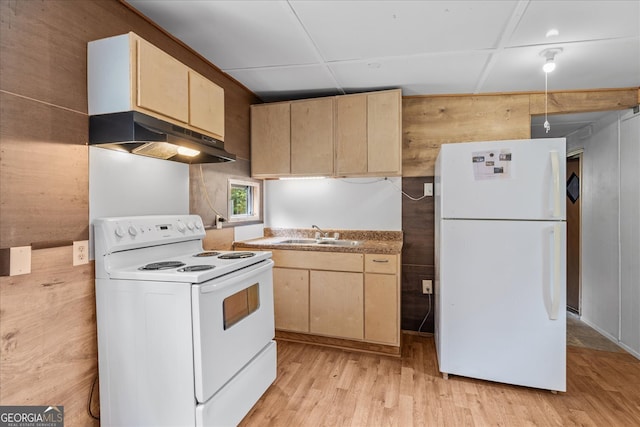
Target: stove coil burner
196 268
236 255
162 265
207 253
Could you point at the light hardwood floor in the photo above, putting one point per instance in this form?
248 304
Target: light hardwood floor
321 386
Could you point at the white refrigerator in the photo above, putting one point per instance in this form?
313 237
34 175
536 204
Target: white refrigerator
500 236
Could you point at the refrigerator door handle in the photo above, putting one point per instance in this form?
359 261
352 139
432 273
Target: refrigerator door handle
556 291
555 170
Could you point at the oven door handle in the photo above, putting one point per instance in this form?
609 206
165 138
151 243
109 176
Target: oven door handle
249 271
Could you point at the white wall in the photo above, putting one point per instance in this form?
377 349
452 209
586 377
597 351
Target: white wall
630 233
344 203
610 300
123 184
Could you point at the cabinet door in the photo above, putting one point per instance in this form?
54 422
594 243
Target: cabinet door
384 129
336 306
312 137
162 82
291 299
381 308
206 105
351 134
270 139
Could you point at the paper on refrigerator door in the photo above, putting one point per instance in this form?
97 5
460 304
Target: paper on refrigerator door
491 164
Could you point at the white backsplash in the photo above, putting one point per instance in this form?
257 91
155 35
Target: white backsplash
338 203
123 184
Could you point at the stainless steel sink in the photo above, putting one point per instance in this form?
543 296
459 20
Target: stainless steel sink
300 241
328 242
340 242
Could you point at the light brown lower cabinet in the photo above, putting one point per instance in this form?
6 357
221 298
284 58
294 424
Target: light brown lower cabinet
381 308
338 295
382 298
335 304
291 299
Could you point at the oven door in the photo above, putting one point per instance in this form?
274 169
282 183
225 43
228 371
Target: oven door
232 322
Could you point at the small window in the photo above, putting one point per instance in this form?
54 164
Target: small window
244 201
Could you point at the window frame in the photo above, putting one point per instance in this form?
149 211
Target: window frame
255 200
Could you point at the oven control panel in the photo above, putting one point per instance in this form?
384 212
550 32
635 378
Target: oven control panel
122 233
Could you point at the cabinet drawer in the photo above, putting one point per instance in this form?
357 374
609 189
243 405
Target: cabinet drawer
335 261
379 263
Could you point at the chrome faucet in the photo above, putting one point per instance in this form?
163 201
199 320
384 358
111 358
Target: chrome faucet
324 233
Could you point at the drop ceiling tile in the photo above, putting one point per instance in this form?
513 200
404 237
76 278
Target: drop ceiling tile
588 65
577 21
279 83
345 30
432 74
234 34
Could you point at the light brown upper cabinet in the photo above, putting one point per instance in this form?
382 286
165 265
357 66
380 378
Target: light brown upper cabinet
349 135
369 134
271 139
128 73
312 137
206 104
162 82
292 138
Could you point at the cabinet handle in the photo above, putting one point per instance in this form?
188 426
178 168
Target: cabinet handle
381 260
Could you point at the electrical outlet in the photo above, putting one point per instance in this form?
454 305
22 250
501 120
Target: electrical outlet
428 189
427 287
81 252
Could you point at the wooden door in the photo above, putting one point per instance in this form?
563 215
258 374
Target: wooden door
574 235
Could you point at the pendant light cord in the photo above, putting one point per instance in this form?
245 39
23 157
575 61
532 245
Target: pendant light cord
547 126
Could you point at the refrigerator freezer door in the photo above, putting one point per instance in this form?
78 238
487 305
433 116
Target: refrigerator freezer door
501 300
520 179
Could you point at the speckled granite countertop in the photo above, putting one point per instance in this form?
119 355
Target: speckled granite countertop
379 242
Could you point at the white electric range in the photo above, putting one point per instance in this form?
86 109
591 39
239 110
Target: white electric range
185 336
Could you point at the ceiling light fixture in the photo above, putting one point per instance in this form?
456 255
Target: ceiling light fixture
550 57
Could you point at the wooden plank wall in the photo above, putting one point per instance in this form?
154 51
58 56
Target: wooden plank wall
48 352
430 121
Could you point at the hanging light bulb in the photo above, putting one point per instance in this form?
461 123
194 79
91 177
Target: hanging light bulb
550 58
549 65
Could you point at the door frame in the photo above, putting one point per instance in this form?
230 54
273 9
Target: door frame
578 154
